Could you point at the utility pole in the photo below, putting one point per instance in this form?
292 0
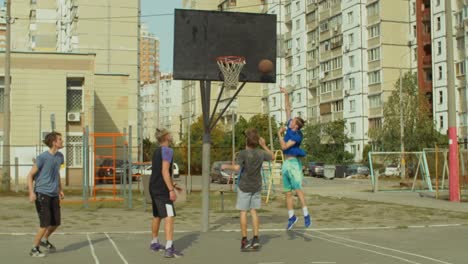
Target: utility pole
402 130
6 102
452 108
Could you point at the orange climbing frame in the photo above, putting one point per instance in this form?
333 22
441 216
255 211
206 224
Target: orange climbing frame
113 157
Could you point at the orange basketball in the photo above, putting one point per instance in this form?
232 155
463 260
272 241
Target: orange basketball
265 66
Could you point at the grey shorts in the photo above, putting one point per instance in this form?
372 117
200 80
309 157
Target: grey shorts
247 201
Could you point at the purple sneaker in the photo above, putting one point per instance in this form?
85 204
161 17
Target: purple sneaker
172 253
156 246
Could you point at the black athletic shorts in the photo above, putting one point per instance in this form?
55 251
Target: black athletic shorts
48 209
162 207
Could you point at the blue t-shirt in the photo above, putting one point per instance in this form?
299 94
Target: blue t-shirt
47 177
295 136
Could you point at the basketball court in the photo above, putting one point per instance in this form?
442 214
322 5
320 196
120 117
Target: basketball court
416 244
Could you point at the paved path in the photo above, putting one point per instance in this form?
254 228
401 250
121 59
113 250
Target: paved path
410 245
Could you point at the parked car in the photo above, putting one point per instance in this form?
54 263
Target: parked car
222 176
175 170
315 169
354 169
106 169
392 170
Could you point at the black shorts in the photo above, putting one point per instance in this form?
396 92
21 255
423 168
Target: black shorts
48 209
162 207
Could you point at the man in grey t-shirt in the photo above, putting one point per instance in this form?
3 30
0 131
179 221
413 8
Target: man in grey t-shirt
250 161
46 192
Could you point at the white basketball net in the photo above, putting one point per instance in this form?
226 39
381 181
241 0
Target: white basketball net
231 66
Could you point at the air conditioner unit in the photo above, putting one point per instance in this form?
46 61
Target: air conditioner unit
346 92
346 48
73 116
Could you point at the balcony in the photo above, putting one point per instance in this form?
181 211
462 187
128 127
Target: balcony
427 61
426 38
426 15
287 18
311 7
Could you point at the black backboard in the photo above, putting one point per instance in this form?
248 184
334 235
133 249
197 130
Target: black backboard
202 36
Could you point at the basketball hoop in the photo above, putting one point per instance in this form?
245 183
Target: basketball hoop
231 66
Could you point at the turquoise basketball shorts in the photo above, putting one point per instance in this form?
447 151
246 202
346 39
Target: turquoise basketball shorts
292 174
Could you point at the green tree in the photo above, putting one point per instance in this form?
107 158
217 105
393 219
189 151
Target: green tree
419 127
148 149
325 142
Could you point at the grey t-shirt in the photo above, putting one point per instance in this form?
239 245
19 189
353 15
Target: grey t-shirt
250 161
47 177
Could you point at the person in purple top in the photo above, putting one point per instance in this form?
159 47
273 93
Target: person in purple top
163 194
292 166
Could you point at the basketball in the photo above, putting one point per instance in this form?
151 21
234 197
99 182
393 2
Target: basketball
265 66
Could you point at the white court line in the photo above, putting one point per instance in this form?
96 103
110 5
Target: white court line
116 248
360 248
322 262
385 248
93 253
238 230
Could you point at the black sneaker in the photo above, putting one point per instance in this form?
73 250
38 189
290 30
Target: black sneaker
255 244
245 246
47 245
36 253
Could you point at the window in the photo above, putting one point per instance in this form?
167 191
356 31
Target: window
460 68
438 2
350 17
298 43
415 32
298 80
351 61
298 5
353 127
460 43
440 72
439 23
324 26
75 94
374 54
298 60
373 9
274 101
288 9
352 83
439 47
289 43
374 77
74 151
375 101
299 97
353 149
298 24
441 97
337 106
441 122
374 31
352 105
413 8
351 39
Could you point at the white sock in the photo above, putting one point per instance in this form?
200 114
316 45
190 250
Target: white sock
290 213
305 210
168 244
155 240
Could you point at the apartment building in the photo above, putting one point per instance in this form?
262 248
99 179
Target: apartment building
149 100
249 100
432 60
149 56
170 105
2 28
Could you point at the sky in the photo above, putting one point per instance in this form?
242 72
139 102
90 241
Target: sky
162 27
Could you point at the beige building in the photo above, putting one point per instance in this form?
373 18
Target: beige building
248 102
69 89
62 31
2 28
